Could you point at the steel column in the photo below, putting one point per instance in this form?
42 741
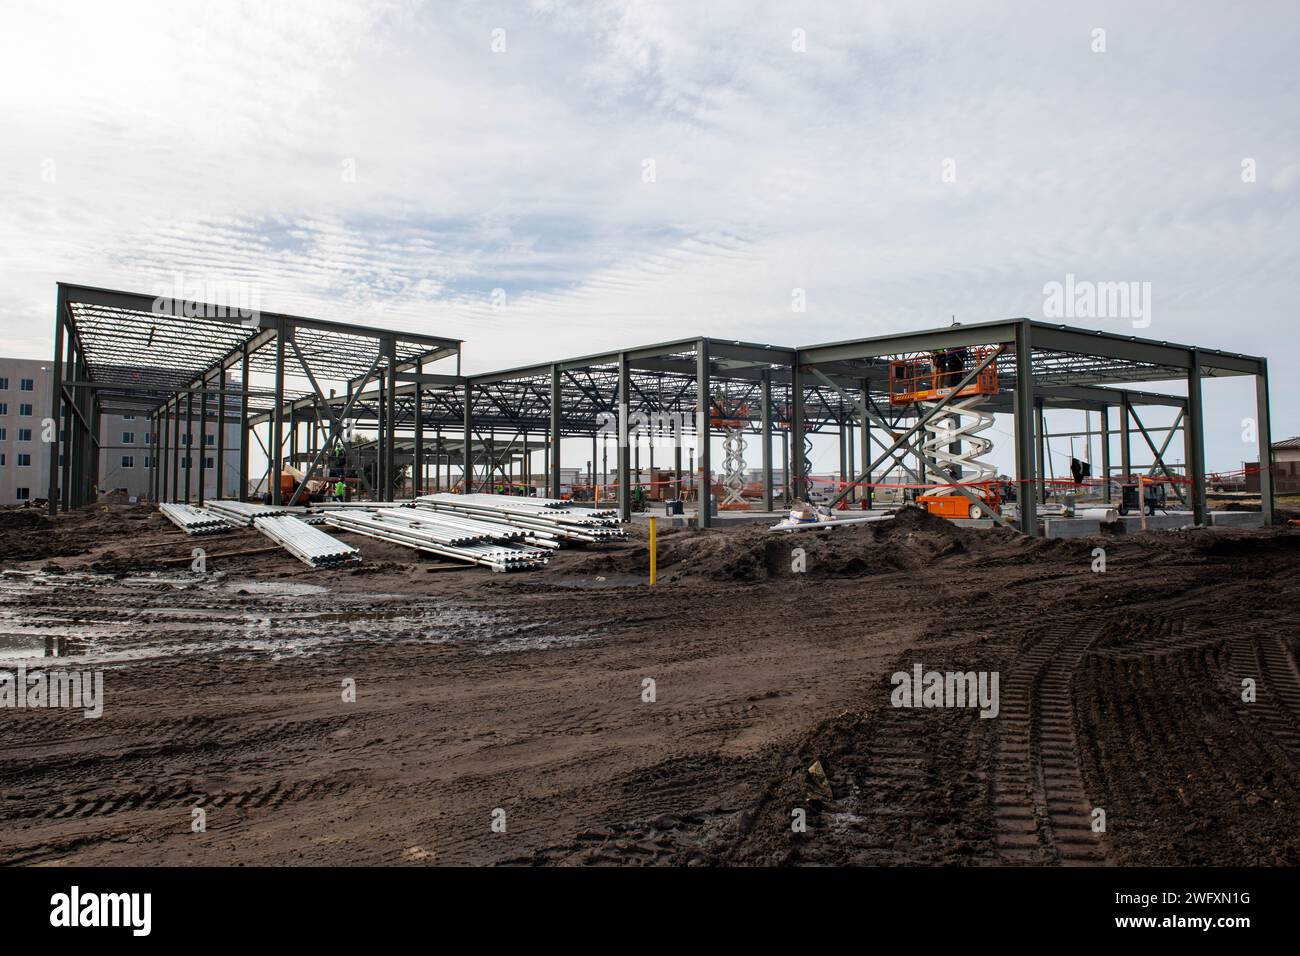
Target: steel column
1125 439
242 491
1024 431
276 464
1040 446
704 500
176 448
189 444
624 469
553 437
766 424
467 455
56 403
390 420
1105 450
865 451
221 436
203 441
1194 428
798 484
1264 431
417 468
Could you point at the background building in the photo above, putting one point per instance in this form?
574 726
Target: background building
125 459
1286 468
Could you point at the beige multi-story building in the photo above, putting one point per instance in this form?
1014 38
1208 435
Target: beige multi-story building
24 420
125 449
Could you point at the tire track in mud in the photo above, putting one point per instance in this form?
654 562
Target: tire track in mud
1041 810
1267 660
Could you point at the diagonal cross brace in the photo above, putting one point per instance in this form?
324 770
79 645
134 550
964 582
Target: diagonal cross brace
1160 455
336 422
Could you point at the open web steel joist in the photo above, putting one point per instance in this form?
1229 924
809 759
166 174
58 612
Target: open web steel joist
376 407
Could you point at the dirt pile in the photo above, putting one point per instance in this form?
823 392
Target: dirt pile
913 539
28 535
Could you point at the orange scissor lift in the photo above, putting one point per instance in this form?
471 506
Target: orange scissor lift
930 378
731 418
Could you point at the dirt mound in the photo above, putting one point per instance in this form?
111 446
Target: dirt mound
12 519
28 535
913 539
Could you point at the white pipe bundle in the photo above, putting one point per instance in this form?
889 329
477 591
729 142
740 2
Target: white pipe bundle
246 512
309 545
546 516
498 546
192 520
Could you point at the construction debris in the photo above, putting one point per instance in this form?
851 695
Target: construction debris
309 545
193 521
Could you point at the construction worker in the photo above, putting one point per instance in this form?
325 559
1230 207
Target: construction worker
340 489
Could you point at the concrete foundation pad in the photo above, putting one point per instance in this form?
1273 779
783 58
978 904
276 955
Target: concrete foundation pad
1168 522
973 522
1236 519
1071 527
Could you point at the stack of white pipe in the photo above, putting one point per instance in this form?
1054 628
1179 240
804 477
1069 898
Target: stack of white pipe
545 516
309 545
244 513
192 520
498 546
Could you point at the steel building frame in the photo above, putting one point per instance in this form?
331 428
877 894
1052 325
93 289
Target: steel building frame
127 353
172 359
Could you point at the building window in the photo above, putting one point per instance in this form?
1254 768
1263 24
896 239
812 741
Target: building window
128 461
185 439
4 384
207 462
27 385
128 418
148 461
24 494
209 439
24 434
185 463
148 438
25 409
24 460
128 438
2 459
4 433
4 408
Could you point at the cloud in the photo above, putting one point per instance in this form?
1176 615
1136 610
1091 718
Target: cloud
381 163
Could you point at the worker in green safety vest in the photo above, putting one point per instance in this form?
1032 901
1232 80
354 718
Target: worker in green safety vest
340 489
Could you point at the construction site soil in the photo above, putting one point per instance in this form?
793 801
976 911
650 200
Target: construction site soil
738 712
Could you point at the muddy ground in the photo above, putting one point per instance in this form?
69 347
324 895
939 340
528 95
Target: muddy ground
1120 691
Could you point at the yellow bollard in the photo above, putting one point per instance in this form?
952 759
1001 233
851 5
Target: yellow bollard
653 551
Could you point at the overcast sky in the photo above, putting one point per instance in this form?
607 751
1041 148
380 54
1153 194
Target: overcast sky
633 172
